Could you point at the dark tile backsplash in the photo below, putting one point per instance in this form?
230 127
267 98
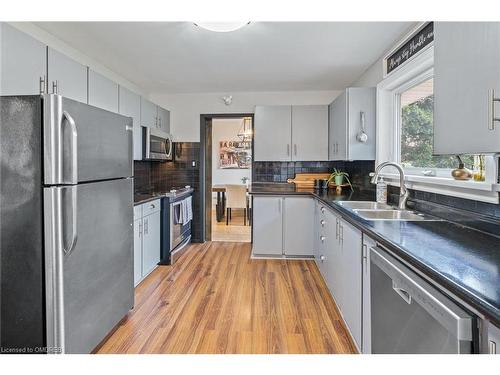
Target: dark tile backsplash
163 176
272 171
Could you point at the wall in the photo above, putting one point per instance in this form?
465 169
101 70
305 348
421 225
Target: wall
187 108
57 44
161 177
275 171
226 130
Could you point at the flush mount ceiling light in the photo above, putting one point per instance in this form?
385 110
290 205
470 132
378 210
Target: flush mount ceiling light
221 27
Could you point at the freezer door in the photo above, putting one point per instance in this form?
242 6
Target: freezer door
84 143
89 262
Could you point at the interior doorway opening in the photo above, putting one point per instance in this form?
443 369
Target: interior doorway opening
227 142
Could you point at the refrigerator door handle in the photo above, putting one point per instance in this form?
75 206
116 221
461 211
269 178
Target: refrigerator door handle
54 280
73 154
70 205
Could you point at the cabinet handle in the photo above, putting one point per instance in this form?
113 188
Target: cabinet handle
492 347
42 84
337 229
322 258
491 109
322 210
365 258
295 149
322 238
146 226
152 206
322 222
159 121
55 87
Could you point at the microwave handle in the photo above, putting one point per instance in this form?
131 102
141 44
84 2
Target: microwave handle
147 142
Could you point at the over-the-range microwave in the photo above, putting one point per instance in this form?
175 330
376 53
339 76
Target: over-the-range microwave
157 145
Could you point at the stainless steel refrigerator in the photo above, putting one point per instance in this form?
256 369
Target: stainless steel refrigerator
66 220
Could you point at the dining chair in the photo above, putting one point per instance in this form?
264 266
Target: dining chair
236 197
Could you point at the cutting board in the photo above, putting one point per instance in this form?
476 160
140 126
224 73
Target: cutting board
306 180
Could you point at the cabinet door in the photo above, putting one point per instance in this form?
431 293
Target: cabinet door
130 105
351 276
151 242
338 128
333 279
103 92
164 119
466 57
149 114
70 76
273 133
267 226
368 243
361 100
23 62
137 251
310 133
298 226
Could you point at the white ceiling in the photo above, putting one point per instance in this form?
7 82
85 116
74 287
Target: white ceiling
179 57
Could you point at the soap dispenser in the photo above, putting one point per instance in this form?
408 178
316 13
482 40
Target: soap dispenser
381 191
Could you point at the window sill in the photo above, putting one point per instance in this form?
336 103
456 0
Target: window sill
480 191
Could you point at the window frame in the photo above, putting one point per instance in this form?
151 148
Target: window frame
388 140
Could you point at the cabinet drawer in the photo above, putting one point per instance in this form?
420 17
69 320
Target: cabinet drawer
138 212
151 207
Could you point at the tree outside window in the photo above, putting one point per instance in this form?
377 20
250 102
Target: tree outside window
417 128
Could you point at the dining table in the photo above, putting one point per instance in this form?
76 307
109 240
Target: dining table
220 207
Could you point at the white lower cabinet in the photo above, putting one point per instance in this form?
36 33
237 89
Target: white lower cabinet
151 242
147 227
338 253
366 331
298 226
137 251
283 226
267 226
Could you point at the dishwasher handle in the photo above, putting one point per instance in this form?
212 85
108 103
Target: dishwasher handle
413 289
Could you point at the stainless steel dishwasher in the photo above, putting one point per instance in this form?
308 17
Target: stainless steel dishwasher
408 315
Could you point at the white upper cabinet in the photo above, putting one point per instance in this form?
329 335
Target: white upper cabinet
23 62
310 133
273 133
130 105
350 113
291 133
149 114
103 92
466 74
66 77
164 119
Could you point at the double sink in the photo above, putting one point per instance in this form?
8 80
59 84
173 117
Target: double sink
381 211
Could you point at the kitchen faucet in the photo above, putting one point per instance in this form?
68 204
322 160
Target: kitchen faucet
403 191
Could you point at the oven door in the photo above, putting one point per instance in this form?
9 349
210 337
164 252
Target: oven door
157 144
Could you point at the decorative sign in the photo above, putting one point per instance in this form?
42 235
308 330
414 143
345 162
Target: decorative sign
235 154
416 43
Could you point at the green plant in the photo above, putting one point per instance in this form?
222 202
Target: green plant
337 173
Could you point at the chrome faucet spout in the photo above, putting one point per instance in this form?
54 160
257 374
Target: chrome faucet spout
403 191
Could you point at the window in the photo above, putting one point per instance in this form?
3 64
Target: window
416 106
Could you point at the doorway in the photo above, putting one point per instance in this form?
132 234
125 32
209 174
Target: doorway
225 173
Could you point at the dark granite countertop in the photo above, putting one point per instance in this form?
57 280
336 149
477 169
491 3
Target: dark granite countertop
463 260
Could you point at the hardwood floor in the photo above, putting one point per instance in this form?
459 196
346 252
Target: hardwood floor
236 231
218 300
